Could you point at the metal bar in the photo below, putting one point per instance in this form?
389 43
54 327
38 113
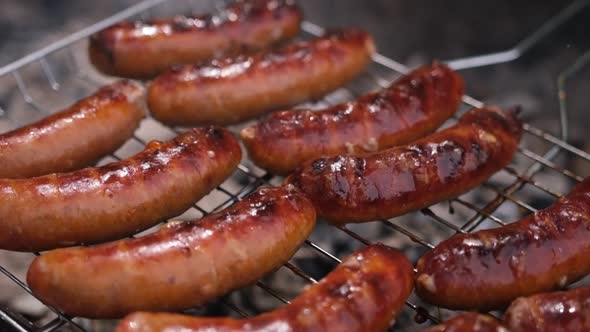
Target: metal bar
524 45
409 234
49 74
235 308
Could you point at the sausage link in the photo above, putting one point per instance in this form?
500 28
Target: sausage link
181 266
363 294
144 49
392 182
567 311
235 89
488 269
412 107
116 200
76 137
469 322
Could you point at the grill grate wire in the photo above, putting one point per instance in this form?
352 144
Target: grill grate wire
539 162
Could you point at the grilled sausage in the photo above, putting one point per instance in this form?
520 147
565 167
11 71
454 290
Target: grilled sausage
144 49
76 137
181 266
392 182
470 322
412 107
567 311
363 294
116 200
235 89
488 269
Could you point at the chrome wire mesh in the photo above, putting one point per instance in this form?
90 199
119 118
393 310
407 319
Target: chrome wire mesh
61 71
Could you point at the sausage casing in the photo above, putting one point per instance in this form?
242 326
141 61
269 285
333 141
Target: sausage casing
470 322
362 294
181 266
392 182
412 107
144 49
567 311
235 89
116 200
488 269
76 137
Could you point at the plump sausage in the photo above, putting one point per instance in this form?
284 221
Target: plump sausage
567 311
76 137
235 89
392 182
181 266
116 200
144 49
363 294
469 322
488 269
412 107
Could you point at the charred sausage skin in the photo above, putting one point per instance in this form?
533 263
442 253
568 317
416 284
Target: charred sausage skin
144 49
410 108
105 203
362 294
488 269
392 182
236 89
566 311
470 322
75 137
181 266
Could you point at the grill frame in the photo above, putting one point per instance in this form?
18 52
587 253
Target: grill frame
388 68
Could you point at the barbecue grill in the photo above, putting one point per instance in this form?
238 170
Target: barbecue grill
59 74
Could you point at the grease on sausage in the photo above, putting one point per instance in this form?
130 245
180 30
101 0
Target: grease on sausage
144 49
362 294
181 266
235 89
488 269
567 311
104 203
392 182
470 322
412 107
76 137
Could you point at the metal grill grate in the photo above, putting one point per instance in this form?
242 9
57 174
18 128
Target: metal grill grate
60 70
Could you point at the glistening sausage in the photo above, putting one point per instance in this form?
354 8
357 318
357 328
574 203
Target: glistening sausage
236 89
144 49
363 294
181 266
116 200
567 311
76 137
488 269
392 182
412 107
469 322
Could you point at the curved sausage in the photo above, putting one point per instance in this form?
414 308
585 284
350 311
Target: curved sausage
144 49
76 137
469 322
412 107
567 311
392 182
235 89
363 294
181 266
488 269
116 200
